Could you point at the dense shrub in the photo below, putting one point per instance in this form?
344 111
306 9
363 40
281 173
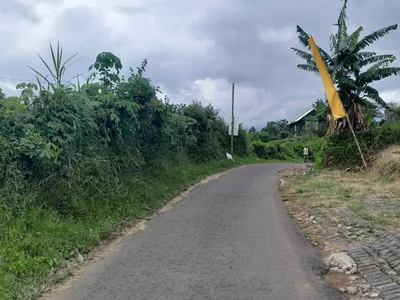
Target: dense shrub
265 151
389 134
241 145
289 149
341 150
64 139
78 163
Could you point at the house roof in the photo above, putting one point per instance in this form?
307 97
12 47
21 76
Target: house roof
379 114
303 115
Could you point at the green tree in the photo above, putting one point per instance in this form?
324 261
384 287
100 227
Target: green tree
104 64
321 109
352 69
274 130
252 129
2 95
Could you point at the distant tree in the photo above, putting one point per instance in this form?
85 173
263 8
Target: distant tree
282 124
2 95
272 128
276 130
321 109
265 137
252 129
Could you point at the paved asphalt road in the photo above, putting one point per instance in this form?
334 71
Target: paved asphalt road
229 239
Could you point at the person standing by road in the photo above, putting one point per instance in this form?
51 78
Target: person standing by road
305 153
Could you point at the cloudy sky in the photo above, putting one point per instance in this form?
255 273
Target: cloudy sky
195 48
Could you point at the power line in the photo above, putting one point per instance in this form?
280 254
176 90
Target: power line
194 93
163 92
17 79
245 99
35 81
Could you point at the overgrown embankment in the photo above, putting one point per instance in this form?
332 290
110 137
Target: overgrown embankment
290 149
78 163
341 150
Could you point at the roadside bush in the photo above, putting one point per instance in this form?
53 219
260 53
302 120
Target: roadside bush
79 162
290 149
341 150
389 134
241 144
265 151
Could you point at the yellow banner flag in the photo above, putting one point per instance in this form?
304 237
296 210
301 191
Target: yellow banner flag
334 101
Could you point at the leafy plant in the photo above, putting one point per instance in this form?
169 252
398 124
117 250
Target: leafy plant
79 162
352 69
105 62
57 71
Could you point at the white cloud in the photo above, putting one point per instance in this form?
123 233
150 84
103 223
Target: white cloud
193 47
391 96
7 84
282 35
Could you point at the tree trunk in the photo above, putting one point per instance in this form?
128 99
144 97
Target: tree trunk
355 116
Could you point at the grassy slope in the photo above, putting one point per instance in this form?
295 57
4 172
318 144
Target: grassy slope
36 243
366 196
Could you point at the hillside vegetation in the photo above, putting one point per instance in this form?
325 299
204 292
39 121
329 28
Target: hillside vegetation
78 162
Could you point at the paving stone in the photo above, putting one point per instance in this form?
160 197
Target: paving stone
375 276
369 251
356 250
380 282
391 292
367 268
391 273
376 261
392 297
393 258
366 264
394 242
377 279
369 272
396 262
360 254
380 247
387 287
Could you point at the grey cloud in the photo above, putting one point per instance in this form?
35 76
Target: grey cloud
237 54
17 7
241 57
81 30
138 9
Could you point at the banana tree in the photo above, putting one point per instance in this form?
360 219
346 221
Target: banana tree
352 69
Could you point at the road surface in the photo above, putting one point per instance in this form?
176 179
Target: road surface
228 239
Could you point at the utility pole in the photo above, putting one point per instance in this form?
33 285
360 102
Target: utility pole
233 116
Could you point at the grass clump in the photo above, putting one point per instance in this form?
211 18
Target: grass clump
339 194
37 241
387 163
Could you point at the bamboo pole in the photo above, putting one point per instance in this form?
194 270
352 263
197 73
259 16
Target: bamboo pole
356 140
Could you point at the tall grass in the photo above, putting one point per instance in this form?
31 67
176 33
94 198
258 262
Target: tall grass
78 164
37 241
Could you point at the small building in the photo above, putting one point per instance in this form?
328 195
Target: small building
297 124
380 115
